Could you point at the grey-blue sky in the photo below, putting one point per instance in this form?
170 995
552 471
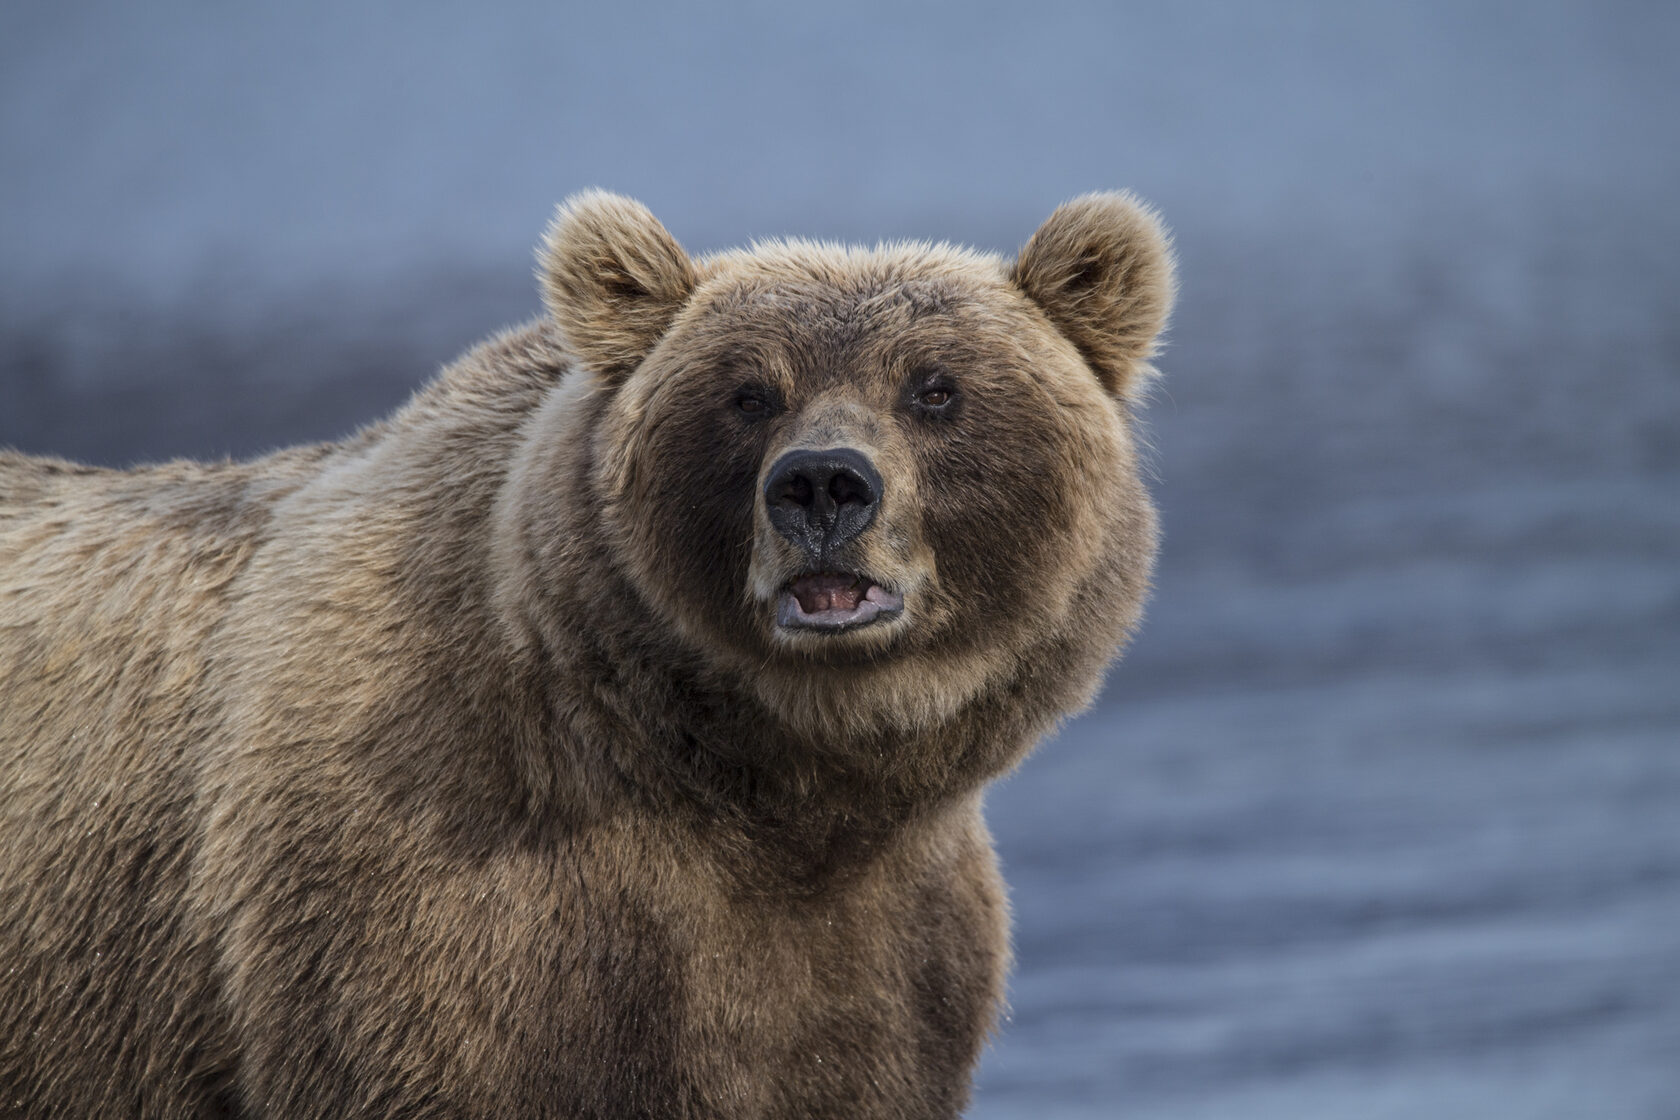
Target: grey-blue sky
148 143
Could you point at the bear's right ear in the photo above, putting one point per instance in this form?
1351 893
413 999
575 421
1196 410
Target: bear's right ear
1101 267
613 279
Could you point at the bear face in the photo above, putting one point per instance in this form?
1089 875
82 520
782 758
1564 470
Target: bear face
867 483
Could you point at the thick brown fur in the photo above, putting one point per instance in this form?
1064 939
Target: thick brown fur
462 769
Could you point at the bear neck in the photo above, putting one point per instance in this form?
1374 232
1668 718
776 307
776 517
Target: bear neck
642 728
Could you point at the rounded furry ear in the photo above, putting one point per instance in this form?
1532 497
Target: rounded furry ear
1101 267
613 279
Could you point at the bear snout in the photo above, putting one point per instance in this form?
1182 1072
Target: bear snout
822 500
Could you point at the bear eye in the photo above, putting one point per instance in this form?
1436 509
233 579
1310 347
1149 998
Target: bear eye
936 395
755 403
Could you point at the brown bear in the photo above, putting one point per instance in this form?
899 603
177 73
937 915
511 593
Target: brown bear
602 735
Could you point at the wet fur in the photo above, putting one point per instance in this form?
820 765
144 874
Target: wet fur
454 769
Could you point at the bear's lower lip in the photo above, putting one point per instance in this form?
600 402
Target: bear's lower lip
835 601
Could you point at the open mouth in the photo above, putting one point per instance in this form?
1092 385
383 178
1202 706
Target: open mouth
834 601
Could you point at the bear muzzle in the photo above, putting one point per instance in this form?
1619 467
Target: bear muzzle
821 501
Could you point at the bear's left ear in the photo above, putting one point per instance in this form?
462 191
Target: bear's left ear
613 279
1102 269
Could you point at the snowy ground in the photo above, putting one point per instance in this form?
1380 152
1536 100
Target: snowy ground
1381 815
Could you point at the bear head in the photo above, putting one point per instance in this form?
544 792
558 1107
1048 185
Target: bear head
868 485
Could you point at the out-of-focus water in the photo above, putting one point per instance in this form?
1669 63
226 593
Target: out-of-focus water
1381 815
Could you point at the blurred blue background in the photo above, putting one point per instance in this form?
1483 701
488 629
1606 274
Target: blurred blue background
1381 815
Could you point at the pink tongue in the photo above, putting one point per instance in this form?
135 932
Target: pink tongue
827 592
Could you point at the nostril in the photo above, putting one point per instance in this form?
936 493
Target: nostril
848 486
795 490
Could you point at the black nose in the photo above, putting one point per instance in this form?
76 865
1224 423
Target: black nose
819 500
